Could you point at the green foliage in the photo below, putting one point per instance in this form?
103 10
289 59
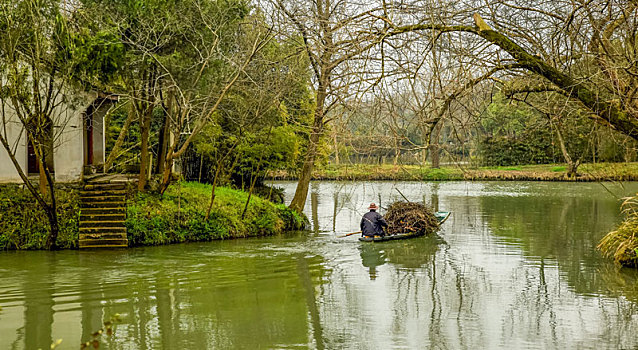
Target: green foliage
24 225
530 148
558 169
277 148
179 216
92 57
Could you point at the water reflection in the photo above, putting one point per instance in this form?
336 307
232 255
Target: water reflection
372 256
514 267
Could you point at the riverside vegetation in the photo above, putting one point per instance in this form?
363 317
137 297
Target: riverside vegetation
534 172
178 216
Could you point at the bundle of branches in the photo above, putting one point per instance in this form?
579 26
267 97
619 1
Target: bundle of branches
403 217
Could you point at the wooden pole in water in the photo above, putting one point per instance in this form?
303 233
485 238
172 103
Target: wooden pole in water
349 234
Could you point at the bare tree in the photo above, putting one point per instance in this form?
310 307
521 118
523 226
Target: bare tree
583 50
334 35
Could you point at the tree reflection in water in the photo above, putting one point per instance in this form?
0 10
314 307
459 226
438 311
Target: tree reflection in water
514 267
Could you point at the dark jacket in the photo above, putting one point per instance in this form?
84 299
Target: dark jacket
372 224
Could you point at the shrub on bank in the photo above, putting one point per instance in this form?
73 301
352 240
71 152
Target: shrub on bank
179 216
622 244
24 225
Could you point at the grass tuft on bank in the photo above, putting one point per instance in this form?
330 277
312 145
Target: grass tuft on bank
179 216
622 244
24 225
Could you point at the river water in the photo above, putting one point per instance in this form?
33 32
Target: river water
515 267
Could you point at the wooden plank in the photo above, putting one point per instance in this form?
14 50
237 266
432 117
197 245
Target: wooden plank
116 223
88 236
87 230
103 242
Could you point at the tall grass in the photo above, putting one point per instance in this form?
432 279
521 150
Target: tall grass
622 244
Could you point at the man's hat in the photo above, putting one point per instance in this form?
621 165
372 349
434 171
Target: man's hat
373 206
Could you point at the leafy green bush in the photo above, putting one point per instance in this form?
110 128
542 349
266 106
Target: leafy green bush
179 216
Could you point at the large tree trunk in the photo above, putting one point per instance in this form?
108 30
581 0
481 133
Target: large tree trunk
301 193
622 118
572 165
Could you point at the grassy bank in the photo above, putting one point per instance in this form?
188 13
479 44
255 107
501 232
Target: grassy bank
178 216
543 172
24 225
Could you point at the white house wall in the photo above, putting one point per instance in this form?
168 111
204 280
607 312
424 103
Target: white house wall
68 147
8 172
68 150
98 133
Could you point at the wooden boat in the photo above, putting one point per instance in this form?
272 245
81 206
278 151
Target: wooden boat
440 215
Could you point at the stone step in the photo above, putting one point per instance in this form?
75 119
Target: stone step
102 217
85 236
110 198
99 193
104 243
100 224
107 210
105 230
99 204
105 186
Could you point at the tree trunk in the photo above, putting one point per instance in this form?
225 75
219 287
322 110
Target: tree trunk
336 145
164 139
397 152
120 139
42 180
168 169
250 193
145 129
572 166
434 144
301 193
212 192
50 211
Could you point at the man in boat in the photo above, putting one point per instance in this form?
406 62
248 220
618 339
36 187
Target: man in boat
372 223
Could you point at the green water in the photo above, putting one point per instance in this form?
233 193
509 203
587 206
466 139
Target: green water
515 267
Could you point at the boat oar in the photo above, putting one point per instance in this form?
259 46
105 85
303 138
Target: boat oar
349 234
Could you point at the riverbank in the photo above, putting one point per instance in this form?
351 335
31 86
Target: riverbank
542 172
178 216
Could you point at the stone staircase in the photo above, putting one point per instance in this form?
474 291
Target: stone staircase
102 215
